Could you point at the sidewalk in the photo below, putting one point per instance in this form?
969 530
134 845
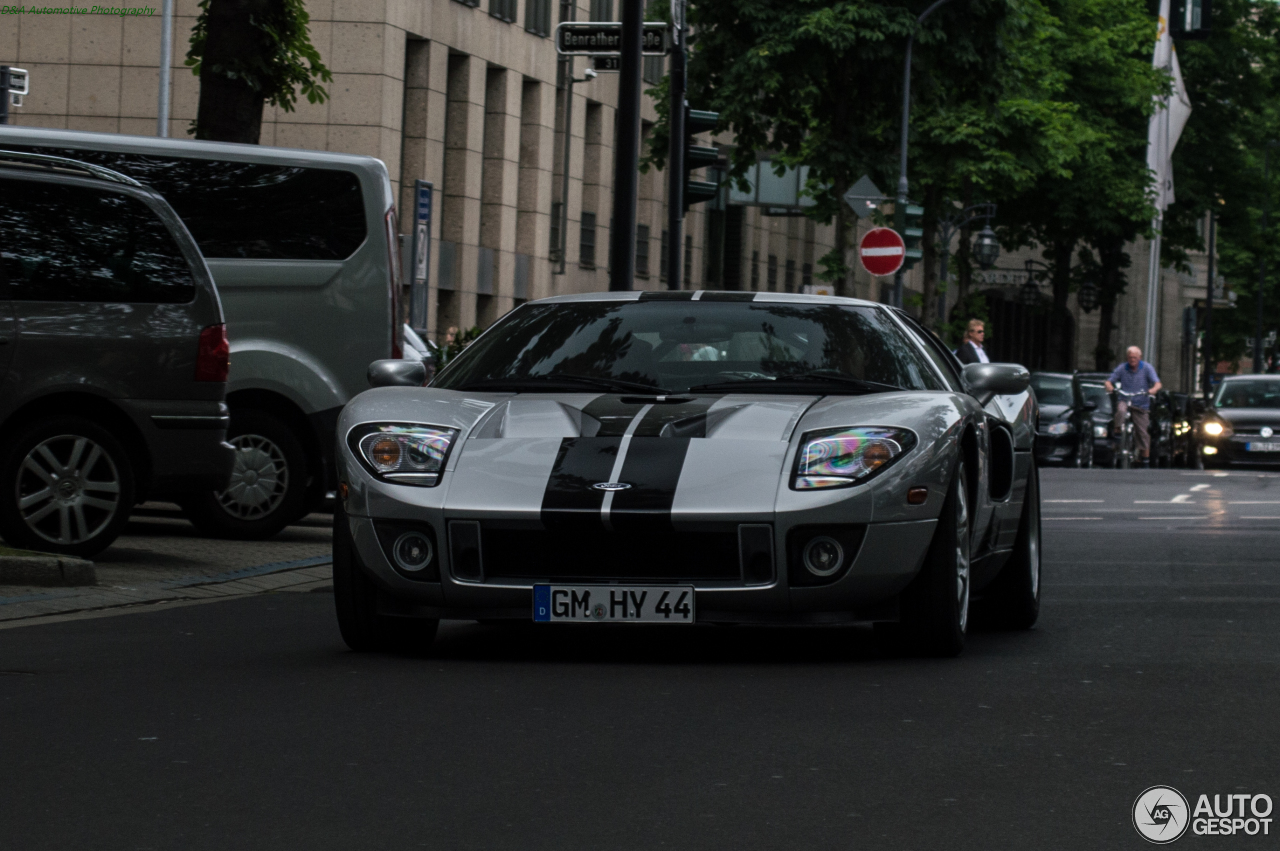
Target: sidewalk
161 559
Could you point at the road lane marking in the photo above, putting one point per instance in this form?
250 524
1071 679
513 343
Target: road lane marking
1074 500
1201 486
1183 517
1180 499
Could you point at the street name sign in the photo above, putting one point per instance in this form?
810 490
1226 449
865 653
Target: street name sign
607 64
604 38
882 251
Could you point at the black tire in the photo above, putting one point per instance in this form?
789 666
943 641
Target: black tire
269 483
89 480
935 606
355 599
1012 600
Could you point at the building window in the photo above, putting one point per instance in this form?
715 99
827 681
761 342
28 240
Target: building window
772 280
537 17
504 10
642 251
688 260
472 3
653 69
806 275
587 241
662 259
602 10
755 270
790 280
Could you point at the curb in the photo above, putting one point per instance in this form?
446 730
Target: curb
46 571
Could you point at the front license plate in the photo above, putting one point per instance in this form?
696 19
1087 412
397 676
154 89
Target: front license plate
1262 447
613 603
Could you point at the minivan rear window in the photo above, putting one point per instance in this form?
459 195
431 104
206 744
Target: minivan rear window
248 210
72 243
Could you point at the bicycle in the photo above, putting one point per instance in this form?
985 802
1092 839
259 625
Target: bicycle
1126 442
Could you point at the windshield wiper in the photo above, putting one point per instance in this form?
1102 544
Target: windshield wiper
816 376
553 379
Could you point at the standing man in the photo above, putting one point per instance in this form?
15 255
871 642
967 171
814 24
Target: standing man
1136 376
971 350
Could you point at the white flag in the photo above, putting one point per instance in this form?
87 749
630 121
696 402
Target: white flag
1170 116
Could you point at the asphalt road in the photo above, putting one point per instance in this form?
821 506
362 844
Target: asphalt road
246 724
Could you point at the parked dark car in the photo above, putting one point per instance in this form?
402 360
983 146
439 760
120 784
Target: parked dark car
1243 425
1063 435
1186 410
1162 422
113 356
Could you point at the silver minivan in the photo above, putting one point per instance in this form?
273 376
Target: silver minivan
302 246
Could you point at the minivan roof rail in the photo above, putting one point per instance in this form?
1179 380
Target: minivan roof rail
17 158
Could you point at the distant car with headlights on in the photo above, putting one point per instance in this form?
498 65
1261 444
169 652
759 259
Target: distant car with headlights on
690 457
1243 426
1065 432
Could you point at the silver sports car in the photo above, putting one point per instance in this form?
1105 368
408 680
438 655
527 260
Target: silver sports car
690 457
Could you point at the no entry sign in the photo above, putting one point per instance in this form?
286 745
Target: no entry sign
882 251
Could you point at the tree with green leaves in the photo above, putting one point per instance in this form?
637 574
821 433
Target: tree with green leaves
248 53
1233 80
1101 51
819 83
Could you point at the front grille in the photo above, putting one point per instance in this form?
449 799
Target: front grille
1255 429
539 554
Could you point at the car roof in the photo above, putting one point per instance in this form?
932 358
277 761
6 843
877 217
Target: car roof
718 296
1252 377
45 164
1065 375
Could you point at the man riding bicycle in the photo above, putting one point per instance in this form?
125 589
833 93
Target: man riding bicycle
1138 379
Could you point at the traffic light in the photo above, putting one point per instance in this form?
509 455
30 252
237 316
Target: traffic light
698 156
913 235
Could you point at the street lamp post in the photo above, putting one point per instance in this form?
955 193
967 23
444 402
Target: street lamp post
900 208
1030 294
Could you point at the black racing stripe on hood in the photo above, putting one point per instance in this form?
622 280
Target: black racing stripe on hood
569 500
613 415
684 419
652 468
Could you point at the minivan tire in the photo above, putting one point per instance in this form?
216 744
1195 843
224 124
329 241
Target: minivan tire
268 488
90 482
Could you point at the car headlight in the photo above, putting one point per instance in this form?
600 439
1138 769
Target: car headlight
1099 431
1214 428
1059 427
402 453
840 457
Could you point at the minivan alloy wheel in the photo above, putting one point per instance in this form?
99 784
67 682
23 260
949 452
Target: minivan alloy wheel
259 478
67 489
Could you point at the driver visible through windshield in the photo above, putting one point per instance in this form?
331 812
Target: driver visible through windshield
692 346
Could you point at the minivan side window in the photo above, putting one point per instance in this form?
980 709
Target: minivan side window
73 243
248 210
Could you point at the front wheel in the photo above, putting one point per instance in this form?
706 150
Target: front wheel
935 606
66 486
268 487
1014 595
355 598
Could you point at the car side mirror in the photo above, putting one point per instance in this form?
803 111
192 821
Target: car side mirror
397 373
985 380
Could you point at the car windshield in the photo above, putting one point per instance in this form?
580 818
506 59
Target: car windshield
1098 394
700 346
1051 389
1248 394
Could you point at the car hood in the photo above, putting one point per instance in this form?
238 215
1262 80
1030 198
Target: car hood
1249 416
542 456
1052 412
